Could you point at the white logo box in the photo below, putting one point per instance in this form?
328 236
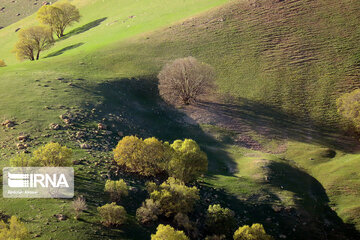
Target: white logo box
38 182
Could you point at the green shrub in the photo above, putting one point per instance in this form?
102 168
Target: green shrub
50 155
112 214
15 230
173 197
220 220
53 155
146 157
189 162
349 107
24 160
168 233
116 189
256 231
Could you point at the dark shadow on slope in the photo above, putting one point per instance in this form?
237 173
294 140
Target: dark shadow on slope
61 51
133 106
83 28
309 191
275 123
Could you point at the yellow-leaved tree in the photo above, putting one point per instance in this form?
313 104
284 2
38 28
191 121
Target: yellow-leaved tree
188 162
166 232
13 230
349 107
58 16
32 41
147 157
256 231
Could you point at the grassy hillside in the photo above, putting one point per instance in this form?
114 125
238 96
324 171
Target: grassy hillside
13 11
284 63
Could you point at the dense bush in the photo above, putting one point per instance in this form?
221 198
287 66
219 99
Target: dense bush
23 160
53 155
2 63
15 230
116 189
148 211
173 196
184 80
168 233
220 220
50 155
256 231
79 205
349 107
188 162
112 214
146 157
58 16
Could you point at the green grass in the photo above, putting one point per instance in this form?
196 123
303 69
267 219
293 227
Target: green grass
282 60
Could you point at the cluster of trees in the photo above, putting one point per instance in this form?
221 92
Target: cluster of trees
173 199
183 159
170 198
255 232
49 155
54 19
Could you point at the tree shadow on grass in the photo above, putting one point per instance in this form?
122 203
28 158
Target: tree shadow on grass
61 51
275 123
83 28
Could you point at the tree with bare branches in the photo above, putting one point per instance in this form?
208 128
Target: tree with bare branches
184 80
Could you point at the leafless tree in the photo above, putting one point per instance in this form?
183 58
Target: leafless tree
184 80
79 205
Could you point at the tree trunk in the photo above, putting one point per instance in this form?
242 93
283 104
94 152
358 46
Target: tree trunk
38 55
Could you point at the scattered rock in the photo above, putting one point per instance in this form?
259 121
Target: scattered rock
282 236
54 126
8 123
85 146
21 146
121 134
60 217
23 138
102 126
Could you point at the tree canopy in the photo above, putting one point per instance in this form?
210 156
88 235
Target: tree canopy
166 232
349 107
32 41
58 16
